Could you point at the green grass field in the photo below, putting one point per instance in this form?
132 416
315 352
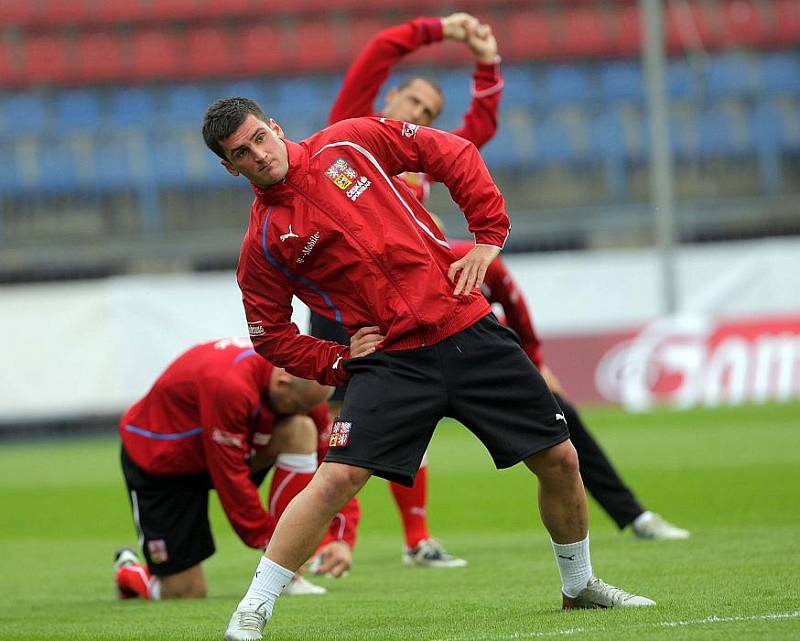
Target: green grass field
731 476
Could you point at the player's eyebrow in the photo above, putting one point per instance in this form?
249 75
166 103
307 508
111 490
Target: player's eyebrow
255 133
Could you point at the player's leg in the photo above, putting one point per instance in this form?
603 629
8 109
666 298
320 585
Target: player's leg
389 414
171 519
606 486
501 397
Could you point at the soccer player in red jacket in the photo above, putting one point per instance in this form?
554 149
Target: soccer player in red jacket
218 418
599 476
419 101
330 225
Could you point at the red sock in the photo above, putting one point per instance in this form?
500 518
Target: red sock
133 581
413 503
292 473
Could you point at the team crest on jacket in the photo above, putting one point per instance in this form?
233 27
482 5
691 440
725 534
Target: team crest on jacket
347 178
340 433
409 129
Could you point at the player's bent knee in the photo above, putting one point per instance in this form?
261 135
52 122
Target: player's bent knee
190 584
561 459
341 480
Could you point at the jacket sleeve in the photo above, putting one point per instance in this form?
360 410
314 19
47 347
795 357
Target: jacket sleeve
480 121
224 415
371 67
449 159
499 287
267 297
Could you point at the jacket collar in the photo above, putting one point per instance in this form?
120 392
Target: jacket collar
298 168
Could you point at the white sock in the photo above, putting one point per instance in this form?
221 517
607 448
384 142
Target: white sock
574 565
154 589
302 463
269 581
643 518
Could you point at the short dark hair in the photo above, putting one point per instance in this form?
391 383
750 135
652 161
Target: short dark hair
225 116
407 82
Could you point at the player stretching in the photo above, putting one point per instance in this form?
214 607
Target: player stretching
424 343
218 418
418 101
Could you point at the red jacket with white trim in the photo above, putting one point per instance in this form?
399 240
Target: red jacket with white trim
209 412
349 241
499 287
371 68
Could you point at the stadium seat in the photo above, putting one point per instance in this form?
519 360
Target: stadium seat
314 46
787 22
132 108
44 59
156 55
9 69
607 147
583 32
118 11
717 134
60 167
680 80
520 87
627 30
98 58
553 141
566 84
186 105
743 23
59 12
247 89
299 98
261 48
507 148
730 75
529 35
22 114
622 81
209 53
780 73
17 12
457 89
121 160
77 110
690 27
167 10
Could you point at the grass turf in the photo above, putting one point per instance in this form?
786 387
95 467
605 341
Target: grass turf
729 475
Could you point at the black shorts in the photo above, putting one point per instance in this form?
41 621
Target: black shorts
479 376
329 330
171 518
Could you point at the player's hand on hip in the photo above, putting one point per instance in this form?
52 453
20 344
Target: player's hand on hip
365 341
456 26
336 559
482 43
473 268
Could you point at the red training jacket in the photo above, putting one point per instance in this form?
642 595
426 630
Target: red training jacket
499 287
372 66
207 412
340 235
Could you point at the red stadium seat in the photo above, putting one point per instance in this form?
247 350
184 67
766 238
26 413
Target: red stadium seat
155 54
787 19
98 58
314 46
260 48
9 69
44 59
17 12
584 32
119 11
627 25
530 36
743 23
232 8
209 52
691 26
172 9
57 12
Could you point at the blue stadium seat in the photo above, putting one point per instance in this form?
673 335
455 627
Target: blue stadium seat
716 133
607 146
552 141
730 75
780 73
520 88
59 168
456 87
301 98
132 107
77 110
680 80
505 150
621 81
186 106
566 84
246 89
22 113
121 161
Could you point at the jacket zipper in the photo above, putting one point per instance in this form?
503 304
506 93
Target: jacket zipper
374 259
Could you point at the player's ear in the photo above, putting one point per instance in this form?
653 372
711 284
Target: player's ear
276 128
231 169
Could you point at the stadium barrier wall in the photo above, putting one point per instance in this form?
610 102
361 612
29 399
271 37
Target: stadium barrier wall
93 347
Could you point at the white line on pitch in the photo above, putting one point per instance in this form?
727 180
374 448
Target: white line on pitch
658 624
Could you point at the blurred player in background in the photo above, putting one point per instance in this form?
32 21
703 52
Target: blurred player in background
218 418
598 474
329 225
420 101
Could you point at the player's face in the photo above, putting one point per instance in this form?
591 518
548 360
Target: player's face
419 103
256 151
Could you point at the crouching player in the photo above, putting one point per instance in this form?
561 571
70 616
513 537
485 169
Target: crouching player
218 418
